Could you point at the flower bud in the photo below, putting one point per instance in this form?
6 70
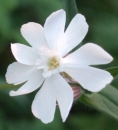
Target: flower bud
67 78
76 92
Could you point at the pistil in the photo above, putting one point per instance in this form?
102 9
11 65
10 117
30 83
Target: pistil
53 63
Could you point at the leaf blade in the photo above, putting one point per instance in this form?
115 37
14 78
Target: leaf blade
71 10
113 71
103 101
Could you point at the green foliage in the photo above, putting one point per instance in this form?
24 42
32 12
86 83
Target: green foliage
71 10
113 71
8 86
94 122
105 101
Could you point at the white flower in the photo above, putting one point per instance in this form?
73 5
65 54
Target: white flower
42 63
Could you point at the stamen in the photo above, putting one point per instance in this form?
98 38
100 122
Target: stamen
53 63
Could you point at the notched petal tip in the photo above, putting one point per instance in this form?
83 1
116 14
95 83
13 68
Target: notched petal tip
7 75
110 58
99 55
110 78
16 93
65 116
103 85
27 24
34 112
12 45
82 17
12 93
7 80
62 11
74 34
36 115
102 51
59 11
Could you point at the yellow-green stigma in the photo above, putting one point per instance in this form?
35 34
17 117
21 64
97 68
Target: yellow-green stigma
53 63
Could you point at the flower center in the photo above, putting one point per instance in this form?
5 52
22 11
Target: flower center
53 62
50 62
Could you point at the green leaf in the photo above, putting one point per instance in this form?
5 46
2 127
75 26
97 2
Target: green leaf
113 71
71 10
110 93
105 101
8 86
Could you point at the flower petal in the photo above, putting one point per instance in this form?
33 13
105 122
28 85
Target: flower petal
44 103
18 73
88 54
74 34
54 27
64 95
54 88
24 54
34 82
89 78
34 34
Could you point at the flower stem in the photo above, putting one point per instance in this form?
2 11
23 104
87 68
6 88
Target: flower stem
71 10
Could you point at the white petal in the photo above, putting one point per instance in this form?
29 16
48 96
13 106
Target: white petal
64 95
18 73
89 78
34 34
74 34
24 54
54 88
34 82
88 54
44 103
54 27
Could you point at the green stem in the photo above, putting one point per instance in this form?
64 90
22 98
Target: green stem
71 10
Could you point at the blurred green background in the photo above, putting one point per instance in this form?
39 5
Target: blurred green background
15 112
